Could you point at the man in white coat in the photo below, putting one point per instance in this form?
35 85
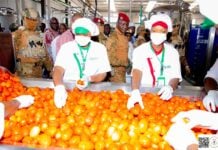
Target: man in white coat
81 59
181 131
180 135
155 63
210 101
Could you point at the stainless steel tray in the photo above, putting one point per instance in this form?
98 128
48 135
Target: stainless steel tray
193 92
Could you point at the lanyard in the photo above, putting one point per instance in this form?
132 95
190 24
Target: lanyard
81 65
161 61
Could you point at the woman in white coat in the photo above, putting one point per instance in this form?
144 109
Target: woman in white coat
81 59
155 63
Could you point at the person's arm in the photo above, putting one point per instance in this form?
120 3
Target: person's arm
19 102
210 84
98 77
11 107
58 75
174 83
136 79
192 147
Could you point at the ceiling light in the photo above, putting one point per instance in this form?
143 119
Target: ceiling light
150 5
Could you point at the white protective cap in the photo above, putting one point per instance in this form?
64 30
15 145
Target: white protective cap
209 9
86 23
159 17
131 24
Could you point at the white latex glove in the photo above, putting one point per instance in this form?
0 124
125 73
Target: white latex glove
166 92
135 98
85 84
60 96
25 100
2 119
180 137
210 101
200 118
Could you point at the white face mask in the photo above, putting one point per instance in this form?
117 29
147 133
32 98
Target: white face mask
158 38
82 40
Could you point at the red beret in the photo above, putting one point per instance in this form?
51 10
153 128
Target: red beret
160 23
98 20
123 16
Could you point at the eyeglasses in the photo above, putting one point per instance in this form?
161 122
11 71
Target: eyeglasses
178 46
175 26
54 23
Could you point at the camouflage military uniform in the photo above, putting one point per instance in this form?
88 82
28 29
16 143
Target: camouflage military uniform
117 47
178 44
102 39
31 56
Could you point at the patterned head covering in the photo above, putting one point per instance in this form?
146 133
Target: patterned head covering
30 13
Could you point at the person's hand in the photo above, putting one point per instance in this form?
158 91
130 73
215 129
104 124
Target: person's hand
200 118
180 137
2 119
60 96
25 100
187 70
210 101
135 98
82 83
166 92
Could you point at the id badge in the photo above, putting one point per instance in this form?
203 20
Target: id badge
161 81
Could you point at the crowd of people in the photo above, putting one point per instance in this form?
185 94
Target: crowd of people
119 41
89 51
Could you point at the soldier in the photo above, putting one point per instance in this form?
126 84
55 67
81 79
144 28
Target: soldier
31 56
101 37
107 29
117 46
178 43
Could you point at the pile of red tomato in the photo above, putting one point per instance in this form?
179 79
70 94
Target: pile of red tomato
90 120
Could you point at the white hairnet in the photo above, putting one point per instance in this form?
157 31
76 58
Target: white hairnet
159 17
131 24
86 23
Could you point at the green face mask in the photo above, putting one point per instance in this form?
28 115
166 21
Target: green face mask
81 31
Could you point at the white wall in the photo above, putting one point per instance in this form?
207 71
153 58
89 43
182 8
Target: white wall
31 4
8 19
8 3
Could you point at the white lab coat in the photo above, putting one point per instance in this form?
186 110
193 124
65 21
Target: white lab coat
213 71
171 64
53 47
97 60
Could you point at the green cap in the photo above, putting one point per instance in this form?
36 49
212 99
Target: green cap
207 23
81 30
